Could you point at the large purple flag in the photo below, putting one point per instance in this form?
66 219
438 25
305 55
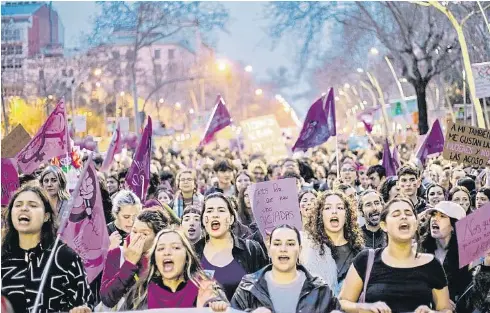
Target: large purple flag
50 141
83 225
319 123
388 161
138 177
396 157
218 120
114 148
433 142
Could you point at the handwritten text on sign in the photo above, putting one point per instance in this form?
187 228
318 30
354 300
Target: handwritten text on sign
474 235
467 145
275 203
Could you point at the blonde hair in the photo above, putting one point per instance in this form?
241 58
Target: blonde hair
138 296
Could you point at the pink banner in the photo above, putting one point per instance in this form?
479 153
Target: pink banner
473 233
218 120
85 227
138 177
114 148
10 179
49 142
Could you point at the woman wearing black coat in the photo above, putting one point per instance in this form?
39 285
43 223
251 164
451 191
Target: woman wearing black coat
284 286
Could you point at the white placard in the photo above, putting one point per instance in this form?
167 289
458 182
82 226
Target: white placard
124 124
481 74
80 123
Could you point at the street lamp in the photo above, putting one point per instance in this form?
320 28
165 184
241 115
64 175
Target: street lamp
191 111
346 86
360 70
121 93
161 100
50 97
97 72
374 51
222 65
259 92
178 105
97 84
248 68
403 80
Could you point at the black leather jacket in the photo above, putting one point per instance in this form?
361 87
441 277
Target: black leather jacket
248 253
315 297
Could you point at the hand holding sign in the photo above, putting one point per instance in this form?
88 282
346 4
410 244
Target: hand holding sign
275 203
473 234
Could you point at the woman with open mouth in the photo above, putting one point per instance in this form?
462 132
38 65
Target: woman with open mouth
26 246
334 232
53 180
125 265
225 256
284 286
396 278
175 278
441 240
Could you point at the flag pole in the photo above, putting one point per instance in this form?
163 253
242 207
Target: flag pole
64 219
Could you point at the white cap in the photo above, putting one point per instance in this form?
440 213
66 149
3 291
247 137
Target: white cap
449 208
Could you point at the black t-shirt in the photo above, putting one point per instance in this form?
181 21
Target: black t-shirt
402 289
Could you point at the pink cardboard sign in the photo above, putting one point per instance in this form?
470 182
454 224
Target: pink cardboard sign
473 233
275 203
10 179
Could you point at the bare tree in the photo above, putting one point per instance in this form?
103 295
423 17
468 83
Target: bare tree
419 40
146 23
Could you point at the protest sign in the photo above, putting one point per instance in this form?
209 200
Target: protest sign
80 123
10 179
124 124
275 203
473 233
14 142
467 145
263 135
481 74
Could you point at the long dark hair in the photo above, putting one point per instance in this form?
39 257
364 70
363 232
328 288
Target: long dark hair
352 231
244 214
10 240
428 244
240 173
229 206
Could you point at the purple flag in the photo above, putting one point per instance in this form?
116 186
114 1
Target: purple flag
396 157
388 162
10 179
319 123
218 120
114 148
138 177
367 118
50 141
83 223
433 142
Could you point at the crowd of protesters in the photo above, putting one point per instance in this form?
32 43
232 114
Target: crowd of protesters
369 243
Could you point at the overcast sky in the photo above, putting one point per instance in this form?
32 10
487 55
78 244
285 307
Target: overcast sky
246 42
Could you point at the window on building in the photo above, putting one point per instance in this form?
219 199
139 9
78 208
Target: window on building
115 54
10 50
63 72
157 54
70 72
41 74
172 69
18 49
17 63
4 50
171 54
129 55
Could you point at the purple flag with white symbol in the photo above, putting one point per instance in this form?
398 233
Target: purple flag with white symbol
138 177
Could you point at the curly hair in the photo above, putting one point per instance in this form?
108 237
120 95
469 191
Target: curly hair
352 231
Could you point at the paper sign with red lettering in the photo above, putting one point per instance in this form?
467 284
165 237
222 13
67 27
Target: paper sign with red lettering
10 179
473 233
275 203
